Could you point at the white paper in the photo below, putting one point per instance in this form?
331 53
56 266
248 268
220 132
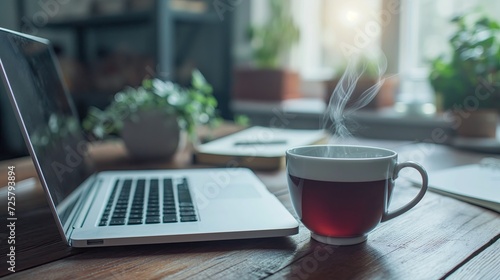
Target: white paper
470 180
478 184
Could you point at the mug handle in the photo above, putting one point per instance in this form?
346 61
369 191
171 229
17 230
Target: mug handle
423 188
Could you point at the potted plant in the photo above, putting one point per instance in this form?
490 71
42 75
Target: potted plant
467 83
150 118
267 80
369 75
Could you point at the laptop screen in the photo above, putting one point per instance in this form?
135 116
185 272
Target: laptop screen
49 123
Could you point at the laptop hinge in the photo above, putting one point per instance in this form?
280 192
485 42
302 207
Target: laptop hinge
83 207
84 211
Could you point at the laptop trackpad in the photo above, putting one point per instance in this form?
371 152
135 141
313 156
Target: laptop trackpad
230 191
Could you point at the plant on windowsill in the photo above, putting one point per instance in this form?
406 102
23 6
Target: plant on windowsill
150 118
467 83
268 80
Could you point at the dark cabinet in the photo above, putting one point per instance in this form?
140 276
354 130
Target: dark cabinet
165 38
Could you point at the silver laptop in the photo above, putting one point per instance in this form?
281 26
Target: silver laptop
123 207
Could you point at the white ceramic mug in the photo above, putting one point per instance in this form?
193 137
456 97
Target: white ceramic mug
342 192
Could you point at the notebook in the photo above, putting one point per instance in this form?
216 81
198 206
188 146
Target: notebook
474 183
123 207
260 148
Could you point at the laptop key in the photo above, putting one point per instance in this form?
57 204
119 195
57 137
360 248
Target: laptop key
186 204
127 183
141 183
135 216
118 215
185 200
153 214
169 204
188 219
117 222
134 221
103 223
167 183
153 220
154 182
169 218
122 201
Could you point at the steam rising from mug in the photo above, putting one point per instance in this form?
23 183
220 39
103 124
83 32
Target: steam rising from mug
342 104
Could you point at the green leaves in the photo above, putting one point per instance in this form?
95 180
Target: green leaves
198 82
273 39
475 59
193 106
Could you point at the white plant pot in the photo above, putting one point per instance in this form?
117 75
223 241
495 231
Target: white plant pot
154 135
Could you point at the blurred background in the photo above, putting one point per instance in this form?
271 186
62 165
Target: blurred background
105 45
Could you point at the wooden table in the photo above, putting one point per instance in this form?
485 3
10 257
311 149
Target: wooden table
441 237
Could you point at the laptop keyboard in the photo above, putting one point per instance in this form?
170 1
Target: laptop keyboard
149 201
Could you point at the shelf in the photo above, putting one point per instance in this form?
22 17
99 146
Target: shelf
171 34
118 19
131 18
207 17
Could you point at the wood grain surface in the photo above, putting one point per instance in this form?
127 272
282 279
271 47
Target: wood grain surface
438 238
485 265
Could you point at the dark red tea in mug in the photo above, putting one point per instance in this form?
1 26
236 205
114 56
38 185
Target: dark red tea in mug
340 208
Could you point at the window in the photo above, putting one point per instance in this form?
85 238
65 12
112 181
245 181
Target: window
330 31
425 30
415 31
